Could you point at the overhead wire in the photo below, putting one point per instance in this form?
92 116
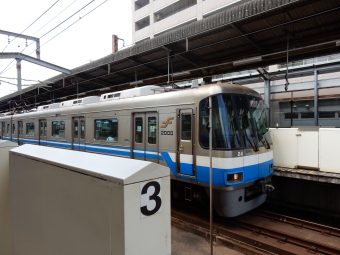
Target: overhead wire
57 15
7 67
33 22
72 24
50 21
208 45
67 19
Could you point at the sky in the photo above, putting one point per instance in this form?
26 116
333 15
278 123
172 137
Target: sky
88 39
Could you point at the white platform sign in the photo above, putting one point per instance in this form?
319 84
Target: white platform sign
150 198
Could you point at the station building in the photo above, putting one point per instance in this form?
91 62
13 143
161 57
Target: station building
154 17
313 95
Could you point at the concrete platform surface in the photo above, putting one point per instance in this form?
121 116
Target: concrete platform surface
185 243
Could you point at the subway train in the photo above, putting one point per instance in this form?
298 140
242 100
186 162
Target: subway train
171 128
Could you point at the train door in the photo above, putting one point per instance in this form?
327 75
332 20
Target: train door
145 136
20 132
42 132
8 131
3 128
14 136
78 139
185 145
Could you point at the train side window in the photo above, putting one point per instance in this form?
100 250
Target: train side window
8 129
106 130
13 129
30 129
58 129
3 128
186 127
139 130
82 129
152 130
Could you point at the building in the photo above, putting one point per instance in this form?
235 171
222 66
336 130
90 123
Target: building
313 94
154 17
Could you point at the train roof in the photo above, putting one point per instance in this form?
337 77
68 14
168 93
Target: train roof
142 97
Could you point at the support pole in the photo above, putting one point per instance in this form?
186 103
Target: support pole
316 96
168 66
267 94
19 73
38 49
210 186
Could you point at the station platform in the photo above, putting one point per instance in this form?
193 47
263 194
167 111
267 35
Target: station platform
305 174
186 243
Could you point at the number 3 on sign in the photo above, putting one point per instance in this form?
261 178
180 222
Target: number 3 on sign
150 198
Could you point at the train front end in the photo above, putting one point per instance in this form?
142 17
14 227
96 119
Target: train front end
242 153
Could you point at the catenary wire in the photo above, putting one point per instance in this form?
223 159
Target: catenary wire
118 85
9 67
33 22
50 21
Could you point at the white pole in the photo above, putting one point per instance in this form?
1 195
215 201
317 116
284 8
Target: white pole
210 186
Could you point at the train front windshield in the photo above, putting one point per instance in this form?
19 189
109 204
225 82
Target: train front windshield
238 122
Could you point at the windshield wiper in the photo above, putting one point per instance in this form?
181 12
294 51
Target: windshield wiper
252 143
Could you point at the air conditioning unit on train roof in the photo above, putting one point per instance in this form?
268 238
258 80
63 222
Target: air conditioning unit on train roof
80 101
135 92
48 106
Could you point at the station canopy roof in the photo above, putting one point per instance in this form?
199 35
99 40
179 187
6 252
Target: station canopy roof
252 34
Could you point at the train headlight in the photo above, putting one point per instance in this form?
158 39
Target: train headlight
235 177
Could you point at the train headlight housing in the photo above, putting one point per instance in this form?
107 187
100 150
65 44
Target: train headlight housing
235 177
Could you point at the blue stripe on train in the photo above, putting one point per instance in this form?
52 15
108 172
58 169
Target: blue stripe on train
250 173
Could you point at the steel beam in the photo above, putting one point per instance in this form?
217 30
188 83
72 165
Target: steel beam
267 94
316 98
186 56
246 37
34 61
134 59
37 40
19 73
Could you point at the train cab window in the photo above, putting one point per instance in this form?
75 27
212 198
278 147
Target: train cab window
245 120
139 130
13 129
225 129
105 130
58 129
152 130
186 127
259 113
30 129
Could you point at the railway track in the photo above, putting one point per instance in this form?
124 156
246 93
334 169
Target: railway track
263 232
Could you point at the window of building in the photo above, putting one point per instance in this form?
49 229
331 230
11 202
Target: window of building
293 115
174 8
140 4
106 130
58 129
30 129
140 24
307 115
326 115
